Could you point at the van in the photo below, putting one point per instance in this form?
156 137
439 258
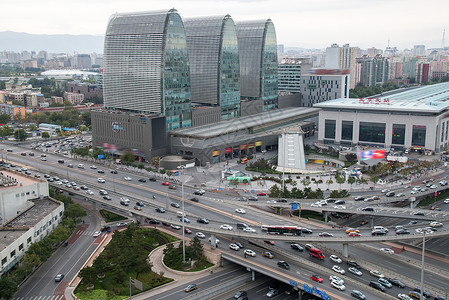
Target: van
180 214
244 161
315 252
390 194
241 225
380 228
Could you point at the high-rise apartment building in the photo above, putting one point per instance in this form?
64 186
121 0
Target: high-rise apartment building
343 58
258 62
289 75
214 63
83 61
323 85
419 50
373 70
146 66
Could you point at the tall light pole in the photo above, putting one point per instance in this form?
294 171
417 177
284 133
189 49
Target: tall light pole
422 263
183 223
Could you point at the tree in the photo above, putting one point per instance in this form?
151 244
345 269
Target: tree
32 127
128 158
5 118
275 191
351 181
305 182
45 135
8 286
362 180
20 134
155 161
17 117
75 212
86 117
340 180
88 275
196 248
329 182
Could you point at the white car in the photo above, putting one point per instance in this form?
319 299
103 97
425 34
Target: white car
404 297
414 192
249 252
335 259
400 195
43 158
436 224
240 211
97 234
226 227
337 279
316 204
59 183
249 229
446 201
93 167
377 274
386 250
128 178
340 207
89 192
101 180
338 269
234 247
200 235
355 271
338 285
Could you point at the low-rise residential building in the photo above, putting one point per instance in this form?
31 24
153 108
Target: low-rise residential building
12 110
52 129
74 98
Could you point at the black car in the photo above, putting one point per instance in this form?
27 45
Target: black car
297 247
203 221
142 180
402 231
354 264
174 204
331 200
283 264
377 286
306 231
153 179
252 198
424 292
396 282
358 294
359 198
140 203
160 210
282 200
61 161
368 209
194 199
113 172
59 277
101 171
153 221
107 197
105 228
239 244
240 294
340 202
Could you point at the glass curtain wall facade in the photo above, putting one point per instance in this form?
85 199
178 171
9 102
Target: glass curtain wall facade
419 135
146 66
214 63
258 62
372 132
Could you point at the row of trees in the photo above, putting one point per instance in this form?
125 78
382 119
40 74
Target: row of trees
194 253
39 252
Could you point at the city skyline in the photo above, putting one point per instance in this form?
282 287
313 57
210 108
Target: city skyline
306 24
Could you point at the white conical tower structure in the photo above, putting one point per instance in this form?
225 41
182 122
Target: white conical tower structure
291 150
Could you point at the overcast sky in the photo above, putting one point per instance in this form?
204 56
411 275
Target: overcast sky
299 23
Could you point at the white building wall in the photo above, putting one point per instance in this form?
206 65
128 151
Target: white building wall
430 122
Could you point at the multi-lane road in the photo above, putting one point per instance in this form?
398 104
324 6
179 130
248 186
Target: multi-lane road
218 208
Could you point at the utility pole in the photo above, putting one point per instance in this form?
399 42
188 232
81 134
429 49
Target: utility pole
422 263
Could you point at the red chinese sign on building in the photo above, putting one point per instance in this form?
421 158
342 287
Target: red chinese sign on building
374 101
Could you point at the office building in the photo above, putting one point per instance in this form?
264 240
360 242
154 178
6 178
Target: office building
258 62
214 63
289 75
419 50
83 61
324 85
415 119
146 66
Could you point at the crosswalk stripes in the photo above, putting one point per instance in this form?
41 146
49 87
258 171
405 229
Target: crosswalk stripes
52 297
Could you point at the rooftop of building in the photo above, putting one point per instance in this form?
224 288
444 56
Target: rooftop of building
50 125
427 99
7 178
17 226
67 72
244 123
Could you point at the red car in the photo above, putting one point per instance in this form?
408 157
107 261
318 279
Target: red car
269 242
316 278
354 234
165 183
261 194
187 230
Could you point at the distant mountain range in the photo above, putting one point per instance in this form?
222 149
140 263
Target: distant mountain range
52 43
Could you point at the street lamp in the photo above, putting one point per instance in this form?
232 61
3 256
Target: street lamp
422 263
183 223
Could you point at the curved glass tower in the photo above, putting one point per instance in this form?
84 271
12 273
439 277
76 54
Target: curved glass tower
214 63
146 66
258 62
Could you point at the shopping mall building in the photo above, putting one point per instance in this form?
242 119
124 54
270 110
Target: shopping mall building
413 119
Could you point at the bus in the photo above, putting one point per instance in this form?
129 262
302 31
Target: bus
315 252
284 230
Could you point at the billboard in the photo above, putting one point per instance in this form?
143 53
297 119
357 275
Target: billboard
370 154
402 159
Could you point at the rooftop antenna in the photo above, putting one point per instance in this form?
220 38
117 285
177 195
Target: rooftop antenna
388 43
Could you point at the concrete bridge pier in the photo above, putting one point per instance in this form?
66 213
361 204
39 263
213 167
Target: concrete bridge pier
345 250
371 222
253 275
134 218
213 241
94 205
325 214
